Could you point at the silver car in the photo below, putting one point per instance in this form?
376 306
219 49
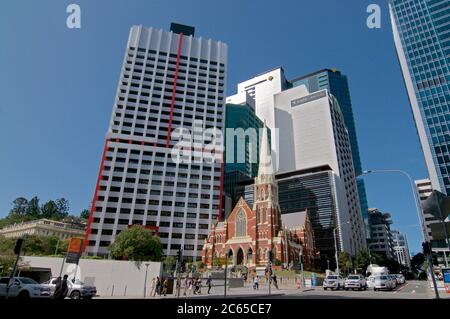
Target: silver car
383 282
355 282
77 289
400 279
394 280
333 282
23 288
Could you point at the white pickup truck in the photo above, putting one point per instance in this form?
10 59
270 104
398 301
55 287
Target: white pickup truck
23 288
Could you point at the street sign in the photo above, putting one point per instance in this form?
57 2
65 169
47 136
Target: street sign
74 250
446 275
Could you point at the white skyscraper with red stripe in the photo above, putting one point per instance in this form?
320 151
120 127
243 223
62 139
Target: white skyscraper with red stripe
170 82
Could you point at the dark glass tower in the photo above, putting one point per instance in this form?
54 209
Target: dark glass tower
421 32
337 83
245 134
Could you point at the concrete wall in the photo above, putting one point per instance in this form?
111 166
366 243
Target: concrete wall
111 277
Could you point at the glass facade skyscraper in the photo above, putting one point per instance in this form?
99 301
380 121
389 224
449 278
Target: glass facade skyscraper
243 117
421 30
337 84
242 155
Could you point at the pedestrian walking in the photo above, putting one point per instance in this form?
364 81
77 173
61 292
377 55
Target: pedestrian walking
57 288
165 285
152 286
209 284
191 286
178 287
255 283
274 279
157 287
61 288
186 285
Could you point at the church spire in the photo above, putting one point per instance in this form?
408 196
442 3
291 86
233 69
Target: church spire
265 156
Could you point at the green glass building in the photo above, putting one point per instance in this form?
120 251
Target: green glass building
243 129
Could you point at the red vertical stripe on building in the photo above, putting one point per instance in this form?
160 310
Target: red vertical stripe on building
174 90
94 200
221 190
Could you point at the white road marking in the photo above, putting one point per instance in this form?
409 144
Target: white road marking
413 292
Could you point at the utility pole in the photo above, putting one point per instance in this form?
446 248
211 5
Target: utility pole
336 251
226 271
17 250
145 280
302 275
427 252
269 270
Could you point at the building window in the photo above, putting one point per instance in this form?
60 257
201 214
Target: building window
241 224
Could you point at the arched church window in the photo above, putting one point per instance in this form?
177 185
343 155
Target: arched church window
241 224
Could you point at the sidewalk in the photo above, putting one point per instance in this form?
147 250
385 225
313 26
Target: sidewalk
217 292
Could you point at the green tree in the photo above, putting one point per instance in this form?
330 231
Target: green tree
19 208
62 205
6 245
6 263
169 263
344 263
216 262
417 263
33 209
49 210
138 244
84 214
199 264
362 260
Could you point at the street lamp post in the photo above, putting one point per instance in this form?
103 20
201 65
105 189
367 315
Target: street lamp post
336 251
145 280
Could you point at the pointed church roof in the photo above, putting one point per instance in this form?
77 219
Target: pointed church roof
265 156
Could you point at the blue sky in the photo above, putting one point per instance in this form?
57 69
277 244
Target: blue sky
57 85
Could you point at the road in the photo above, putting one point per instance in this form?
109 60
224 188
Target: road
410 290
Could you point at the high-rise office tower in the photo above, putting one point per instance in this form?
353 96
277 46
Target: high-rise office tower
422 38
242 138
171 85
424 189
308 129
401 249
337 84
382 241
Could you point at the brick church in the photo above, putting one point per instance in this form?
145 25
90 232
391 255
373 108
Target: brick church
249 233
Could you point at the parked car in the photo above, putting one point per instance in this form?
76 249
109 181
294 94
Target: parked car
333 282
23 288
370 281
355 282
400 279
77 289
394 280
383 282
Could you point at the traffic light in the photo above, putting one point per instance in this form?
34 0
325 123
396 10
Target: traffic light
426 247
18 246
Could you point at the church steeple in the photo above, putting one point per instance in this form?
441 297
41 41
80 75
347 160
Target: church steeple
265 155
265 203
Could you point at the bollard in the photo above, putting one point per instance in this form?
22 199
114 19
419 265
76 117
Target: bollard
112 291
125 292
